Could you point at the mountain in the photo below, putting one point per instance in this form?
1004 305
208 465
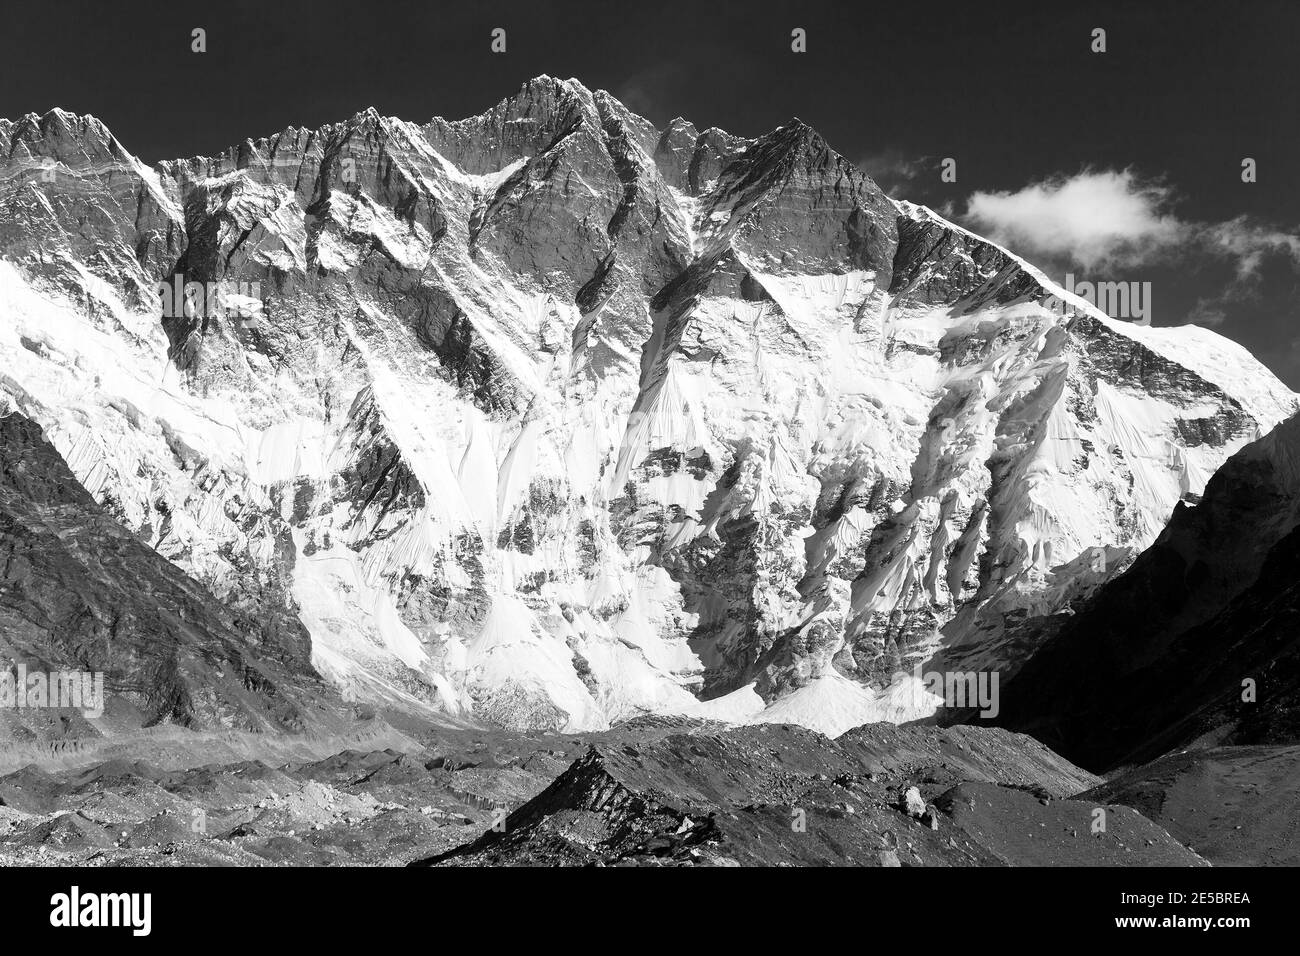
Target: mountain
79 592
1196 643
551 418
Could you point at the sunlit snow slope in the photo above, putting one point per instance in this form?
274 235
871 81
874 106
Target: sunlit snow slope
551 418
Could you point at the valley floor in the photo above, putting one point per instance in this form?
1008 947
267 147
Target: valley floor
655 791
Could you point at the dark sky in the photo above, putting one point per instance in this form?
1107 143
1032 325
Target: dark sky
1012 91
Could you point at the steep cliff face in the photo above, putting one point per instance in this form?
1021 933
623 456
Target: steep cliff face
554 418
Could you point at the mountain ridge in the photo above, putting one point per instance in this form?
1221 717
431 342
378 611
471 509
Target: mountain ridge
636 421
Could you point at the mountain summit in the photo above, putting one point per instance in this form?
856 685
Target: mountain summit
552 418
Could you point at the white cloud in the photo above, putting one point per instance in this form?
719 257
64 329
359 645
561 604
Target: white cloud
1248 243
1208 312
896 172
1114 219
1094 218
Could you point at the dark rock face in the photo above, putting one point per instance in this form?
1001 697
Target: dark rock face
804 206
1197 641
79 592
114 216
936 265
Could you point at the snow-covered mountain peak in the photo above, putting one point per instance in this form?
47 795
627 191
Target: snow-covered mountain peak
551 417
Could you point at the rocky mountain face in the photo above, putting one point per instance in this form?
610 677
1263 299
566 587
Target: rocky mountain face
1196 642
552 418
80 593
